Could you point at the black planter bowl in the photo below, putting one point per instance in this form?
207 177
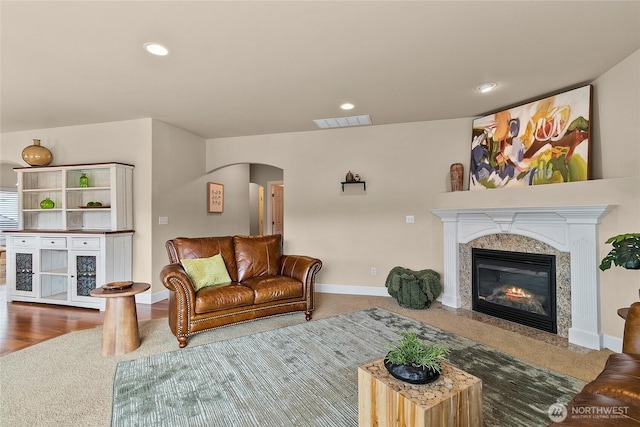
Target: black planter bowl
411 374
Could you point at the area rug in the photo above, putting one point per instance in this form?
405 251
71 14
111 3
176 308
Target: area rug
306 375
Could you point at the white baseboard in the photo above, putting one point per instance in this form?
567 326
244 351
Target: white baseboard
375 291
612 343
152 298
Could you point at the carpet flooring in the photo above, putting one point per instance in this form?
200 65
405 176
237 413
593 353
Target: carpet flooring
306 375
66 382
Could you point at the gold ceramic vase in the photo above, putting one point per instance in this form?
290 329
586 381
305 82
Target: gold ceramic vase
36 154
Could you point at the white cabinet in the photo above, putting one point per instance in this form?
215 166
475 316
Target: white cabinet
62 269
74 234
104 204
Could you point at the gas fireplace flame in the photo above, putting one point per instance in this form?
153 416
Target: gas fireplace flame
516 293
517 298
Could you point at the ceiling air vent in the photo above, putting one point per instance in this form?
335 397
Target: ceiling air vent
341 122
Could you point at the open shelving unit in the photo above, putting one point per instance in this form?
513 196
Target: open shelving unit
60 254
110 184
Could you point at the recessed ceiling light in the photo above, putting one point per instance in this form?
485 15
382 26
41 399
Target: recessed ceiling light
487 87
347 106
156 49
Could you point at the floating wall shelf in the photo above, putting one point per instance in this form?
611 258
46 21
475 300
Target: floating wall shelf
364 184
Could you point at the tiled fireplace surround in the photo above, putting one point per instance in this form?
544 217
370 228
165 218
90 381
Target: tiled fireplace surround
569 232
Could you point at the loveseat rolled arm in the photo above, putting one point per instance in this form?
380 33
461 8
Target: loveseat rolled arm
175 279
299 267
303 269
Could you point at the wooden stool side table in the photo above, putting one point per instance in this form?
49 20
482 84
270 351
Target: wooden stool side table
120 326
453 400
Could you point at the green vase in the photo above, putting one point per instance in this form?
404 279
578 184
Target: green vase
47 204
84 181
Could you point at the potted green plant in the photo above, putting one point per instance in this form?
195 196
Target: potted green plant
625 252
414 361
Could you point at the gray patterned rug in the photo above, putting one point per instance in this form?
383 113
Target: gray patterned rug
306 375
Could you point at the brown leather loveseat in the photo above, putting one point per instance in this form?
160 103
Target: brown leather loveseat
264 282
613 398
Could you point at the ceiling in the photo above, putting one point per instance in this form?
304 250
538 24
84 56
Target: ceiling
245 68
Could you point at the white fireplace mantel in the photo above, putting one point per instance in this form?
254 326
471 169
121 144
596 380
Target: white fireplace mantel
572 229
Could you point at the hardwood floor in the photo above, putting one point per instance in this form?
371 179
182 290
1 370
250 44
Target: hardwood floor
24 324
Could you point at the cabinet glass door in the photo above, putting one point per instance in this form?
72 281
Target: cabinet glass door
85 275
24 273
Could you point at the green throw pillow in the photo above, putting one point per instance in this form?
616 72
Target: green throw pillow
205 272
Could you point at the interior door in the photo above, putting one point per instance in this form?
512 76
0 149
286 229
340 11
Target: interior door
277 207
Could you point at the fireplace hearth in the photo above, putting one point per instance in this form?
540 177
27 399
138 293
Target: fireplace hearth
571 229
515 286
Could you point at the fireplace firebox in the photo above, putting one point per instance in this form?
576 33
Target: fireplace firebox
515 286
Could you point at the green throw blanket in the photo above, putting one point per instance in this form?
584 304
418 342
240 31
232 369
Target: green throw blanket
413 289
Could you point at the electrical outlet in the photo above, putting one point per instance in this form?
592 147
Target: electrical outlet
163 220
373 271
410 219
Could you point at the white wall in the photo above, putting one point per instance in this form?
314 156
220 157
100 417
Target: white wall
235 218
125 142
617 145
352 231
406 169
617 128
8 177
169 179
178 192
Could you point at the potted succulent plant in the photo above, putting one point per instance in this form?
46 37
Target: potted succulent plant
625 252
414 361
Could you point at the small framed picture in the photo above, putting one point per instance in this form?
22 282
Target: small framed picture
215 197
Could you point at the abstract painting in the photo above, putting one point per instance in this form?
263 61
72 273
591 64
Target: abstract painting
543 142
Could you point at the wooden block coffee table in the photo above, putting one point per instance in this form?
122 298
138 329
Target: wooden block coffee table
120 327
454 399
